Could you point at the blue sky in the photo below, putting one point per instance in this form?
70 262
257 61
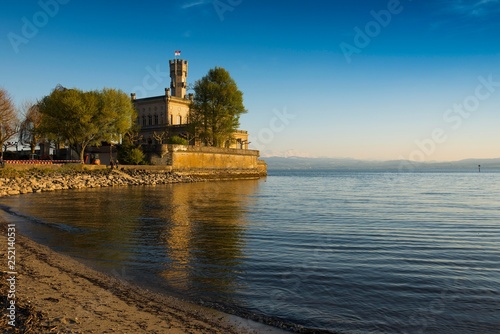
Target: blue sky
386 80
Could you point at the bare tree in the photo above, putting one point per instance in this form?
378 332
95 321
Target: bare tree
160 137
28 132
8 120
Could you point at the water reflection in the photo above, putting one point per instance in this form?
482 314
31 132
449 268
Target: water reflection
189 235
204 235
87 223
176 236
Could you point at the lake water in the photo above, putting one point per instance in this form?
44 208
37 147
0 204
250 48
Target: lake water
347 252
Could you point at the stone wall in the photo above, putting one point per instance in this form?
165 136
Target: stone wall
197 158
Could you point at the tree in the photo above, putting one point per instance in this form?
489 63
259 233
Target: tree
86 118
118 114
216 108
8 120
160 137
29 129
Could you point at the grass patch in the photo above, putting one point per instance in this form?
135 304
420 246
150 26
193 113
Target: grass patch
67 169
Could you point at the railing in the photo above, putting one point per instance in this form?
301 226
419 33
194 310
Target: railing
40 162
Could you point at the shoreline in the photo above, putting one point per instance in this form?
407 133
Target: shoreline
21 180
56 293
35 180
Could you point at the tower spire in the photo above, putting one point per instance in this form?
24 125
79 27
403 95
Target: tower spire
178 76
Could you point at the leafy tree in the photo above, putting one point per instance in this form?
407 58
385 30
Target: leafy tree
216 108
85 118
28 132
8 120
118 114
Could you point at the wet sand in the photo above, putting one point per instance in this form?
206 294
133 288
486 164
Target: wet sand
57 294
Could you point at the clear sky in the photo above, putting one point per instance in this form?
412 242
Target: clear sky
365 79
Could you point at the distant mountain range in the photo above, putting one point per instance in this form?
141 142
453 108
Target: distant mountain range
298 163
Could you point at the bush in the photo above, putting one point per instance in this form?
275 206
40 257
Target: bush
136 157
176 140
130 155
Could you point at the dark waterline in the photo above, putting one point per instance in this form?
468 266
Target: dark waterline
354 252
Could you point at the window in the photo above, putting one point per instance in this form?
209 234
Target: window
156 119
171 119
179 118
143 120
150 120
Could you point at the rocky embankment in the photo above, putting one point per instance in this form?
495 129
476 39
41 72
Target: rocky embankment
34 181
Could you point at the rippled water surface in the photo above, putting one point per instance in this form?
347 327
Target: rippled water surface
347 252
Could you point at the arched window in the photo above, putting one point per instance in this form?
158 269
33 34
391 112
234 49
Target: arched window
150 120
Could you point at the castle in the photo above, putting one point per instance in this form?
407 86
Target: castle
167 115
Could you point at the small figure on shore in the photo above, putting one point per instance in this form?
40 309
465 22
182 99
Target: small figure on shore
111 164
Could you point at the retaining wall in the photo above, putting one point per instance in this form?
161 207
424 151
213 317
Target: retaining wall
200 159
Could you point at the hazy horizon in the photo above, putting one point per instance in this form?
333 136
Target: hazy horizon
371 160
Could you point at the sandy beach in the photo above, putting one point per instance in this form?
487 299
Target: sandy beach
57 294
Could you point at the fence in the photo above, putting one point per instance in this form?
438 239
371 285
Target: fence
40 162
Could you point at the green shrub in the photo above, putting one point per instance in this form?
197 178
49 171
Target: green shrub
129 154
176 140
136 157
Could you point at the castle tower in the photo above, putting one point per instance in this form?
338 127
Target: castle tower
178 76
